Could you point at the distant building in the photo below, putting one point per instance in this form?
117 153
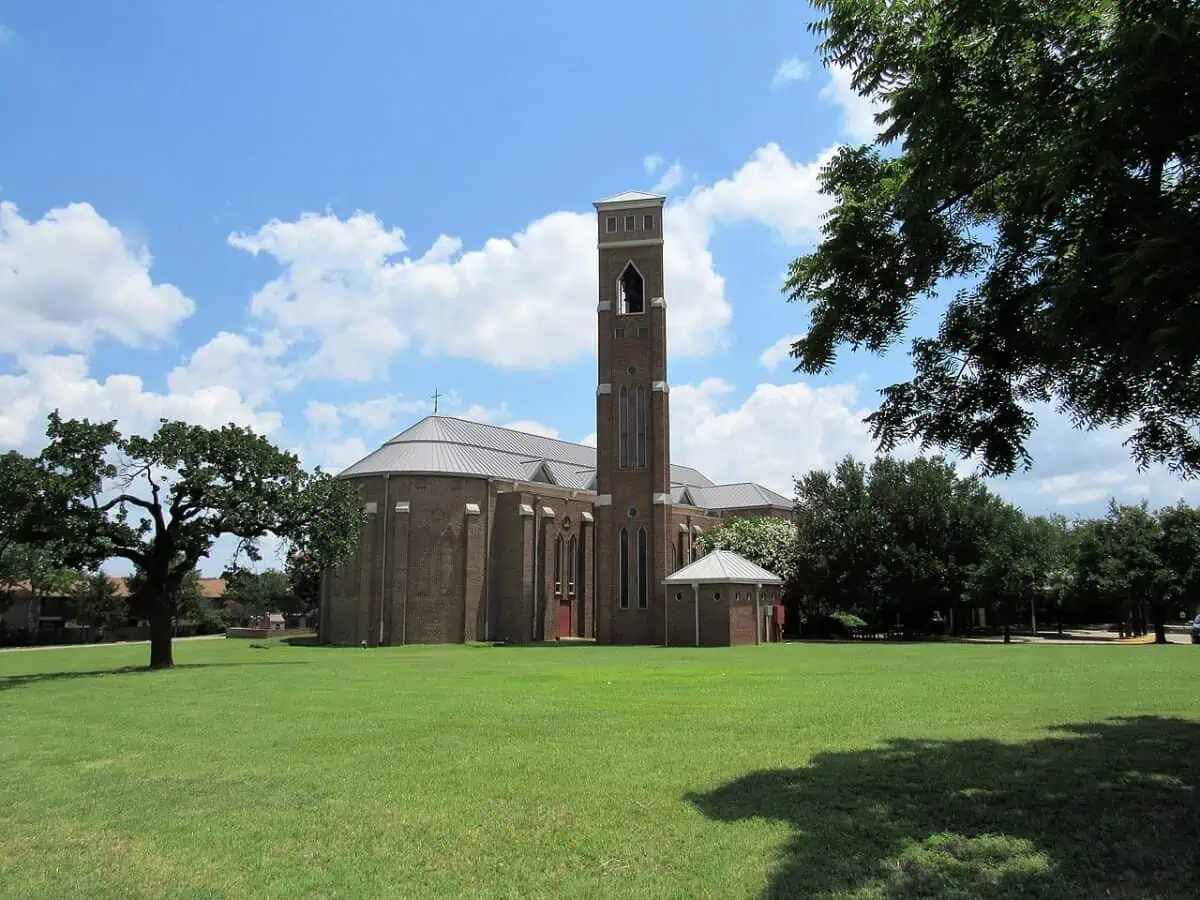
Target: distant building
483 533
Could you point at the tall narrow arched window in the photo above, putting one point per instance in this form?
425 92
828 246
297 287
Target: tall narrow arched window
643 570
630 397
558 565
623 428
631 291
572 566
674 559
623 567
643 426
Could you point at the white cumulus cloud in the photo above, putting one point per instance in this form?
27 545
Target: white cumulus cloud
771 358
71 278
62 382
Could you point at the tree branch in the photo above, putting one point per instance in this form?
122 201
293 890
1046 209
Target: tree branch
126 498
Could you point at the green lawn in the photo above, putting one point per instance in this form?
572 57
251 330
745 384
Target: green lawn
579 771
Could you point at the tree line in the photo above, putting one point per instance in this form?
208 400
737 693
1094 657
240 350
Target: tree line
98 605
912 545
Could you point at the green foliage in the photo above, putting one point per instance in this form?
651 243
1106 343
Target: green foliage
161 502
1048 158
96 601
255 593
895 540
1143 564
847 620
764 540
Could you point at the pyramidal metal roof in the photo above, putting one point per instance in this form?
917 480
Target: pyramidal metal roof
444 445
630 197
722 567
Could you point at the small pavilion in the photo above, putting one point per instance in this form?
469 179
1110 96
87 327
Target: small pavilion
720 600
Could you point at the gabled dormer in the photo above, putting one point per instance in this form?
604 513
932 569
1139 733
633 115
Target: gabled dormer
539 473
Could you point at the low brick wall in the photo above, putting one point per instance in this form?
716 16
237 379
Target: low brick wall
247 633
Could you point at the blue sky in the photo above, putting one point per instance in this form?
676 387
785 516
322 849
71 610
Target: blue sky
307 218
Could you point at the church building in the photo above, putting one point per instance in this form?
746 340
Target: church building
479 533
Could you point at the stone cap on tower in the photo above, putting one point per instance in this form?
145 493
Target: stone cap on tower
628 200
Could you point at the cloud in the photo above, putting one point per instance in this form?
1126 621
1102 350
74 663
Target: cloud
769 189
858 113
70 278
669 180
589 440
652 163
349 294
382 412
791 69
532 426
770 358
234 361
323 417
794 428
62 382
778 432
6 35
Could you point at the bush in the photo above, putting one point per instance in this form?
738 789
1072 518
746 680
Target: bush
837 624
848 620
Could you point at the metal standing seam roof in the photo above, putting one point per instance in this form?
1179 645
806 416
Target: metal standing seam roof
443 445
735 496
722 567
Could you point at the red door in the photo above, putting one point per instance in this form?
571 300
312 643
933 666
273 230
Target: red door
564 618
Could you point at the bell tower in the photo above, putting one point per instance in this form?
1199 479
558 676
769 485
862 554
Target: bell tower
633 461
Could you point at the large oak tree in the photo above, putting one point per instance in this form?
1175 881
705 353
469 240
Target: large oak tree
1047 165
161 502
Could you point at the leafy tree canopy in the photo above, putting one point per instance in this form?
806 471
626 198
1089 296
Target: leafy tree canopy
161 502
1048 158
255 593
764 540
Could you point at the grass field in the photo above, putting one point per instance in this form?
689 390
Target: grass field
579 771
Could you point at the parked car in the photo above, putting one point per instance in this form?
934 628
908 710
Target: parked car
1196 631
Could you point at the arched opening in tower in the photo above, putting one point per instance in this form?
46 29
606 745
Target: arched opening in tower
632 291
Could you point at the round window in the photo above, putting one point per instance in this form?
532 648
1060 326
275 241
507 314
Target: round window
633 512
717 596
632 370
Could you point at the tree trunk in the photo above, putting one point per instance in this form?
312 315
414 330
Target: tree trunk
160 633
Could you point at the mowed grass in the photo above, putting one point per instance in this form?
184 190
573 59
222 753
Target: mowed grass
579 771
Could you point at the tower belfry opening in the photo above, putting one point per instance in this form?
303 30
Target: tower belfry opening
631 291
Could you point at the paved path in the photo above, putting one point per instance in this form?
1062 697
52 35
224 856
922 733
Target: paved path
1084 637
201 637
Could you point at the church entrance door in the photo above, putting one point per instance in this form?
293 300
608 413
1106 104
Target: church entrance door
564 618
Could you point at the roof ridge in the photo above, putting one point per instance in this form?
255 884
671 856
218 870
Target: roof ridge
529 434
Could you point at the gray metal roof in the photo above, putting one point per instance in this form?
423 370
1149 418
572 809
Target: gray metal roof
629 197
736 496
445 445
722 567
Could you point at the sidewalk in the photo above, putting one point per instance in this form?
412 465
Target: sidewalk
199 637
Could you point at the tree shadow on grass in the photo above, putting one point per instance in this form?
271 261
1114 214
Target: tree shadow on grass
9 682
1107 809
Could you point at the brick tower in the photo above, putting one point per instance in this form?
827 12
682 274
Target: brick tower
633 437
